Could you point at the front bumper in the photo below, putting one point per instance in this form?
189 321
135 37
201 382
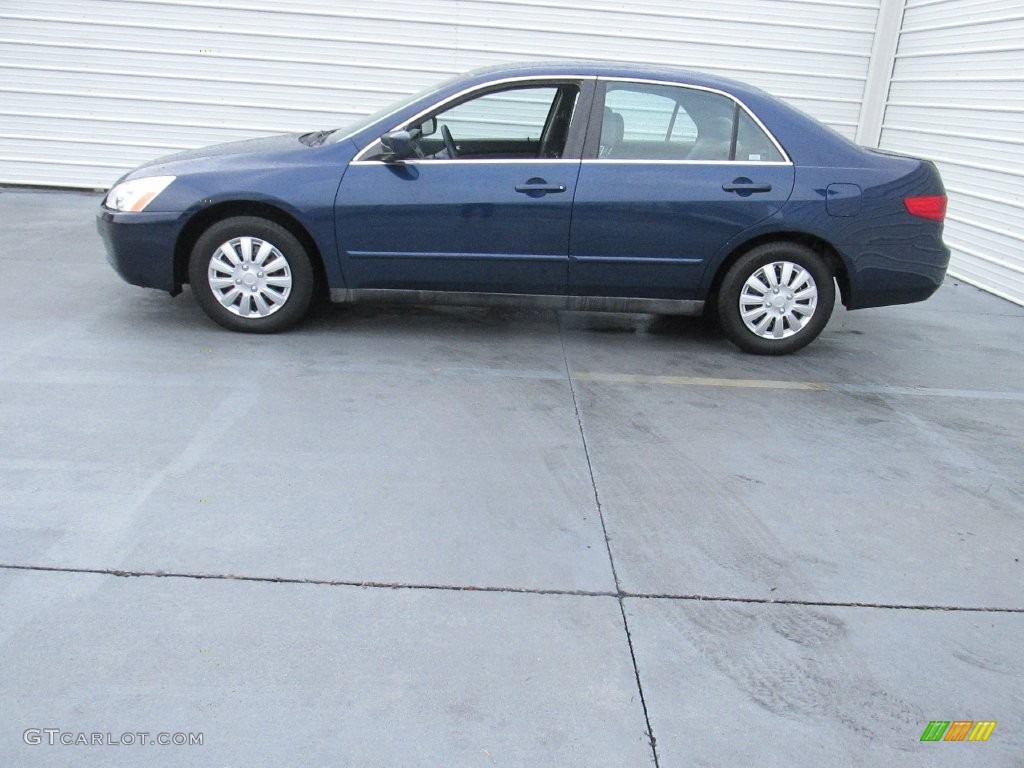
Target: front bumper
140 246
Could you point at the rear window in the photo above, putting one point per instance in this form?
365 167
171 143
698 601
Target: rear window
644 121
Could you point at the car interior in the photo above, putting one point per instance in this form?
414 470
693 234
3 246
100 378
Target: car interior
658 122
526 123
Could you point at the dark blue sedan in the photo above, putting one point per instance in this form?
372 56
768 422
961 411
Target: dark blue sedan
580 185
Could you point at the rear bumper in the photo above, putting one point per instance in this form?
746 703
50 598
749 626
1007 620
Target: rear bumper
896 272
140 247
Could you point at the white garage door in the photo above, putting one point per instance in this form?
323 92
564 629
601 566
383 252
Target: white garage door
90 88
957 96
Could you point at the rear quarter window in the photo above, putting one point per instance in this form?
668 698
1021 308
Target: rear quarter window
753 144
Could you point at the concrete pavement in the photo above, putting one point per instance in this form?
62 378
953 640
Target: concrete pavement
442 537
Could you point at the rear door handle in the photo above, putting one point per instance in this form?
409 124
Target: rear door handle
746 186
539 187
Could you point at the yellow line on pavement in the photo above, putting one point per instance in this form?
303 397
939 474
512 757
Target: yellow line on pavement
698 381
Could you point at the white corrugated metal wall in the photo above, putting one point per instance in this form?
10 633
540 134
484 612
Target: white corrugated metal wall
957 97
91 88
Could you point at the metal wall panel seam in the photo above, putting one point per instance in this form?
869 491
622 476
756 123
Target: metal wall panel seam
441 45
631 11
912 30
959 79
264 128
170 76
418 68
958 51
988 198
878 82
976 166
948 105
914 4
823 99
101 142
987 228
1009 138
988 258
249 32
166 100
819 3
590 8
55 161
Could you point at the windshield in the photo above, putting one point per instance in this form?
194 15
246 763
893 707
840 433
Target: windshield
340 134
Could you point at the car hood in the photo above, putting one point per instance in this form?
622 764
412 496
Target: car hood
219 156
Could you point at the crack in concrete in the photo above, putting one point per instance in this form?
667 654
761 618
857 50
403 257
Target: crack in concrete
396 585
652 741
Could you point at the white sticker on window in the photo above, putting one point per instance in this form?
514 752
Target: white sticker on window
754 157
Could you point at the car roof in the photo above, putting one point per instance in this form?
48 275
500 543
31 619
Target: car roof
599 68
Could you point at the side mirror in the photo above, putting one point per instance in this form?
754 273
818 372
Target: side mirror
398 145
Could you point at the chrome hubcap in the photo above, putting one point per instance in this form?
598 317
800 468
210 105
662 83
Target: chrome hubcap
250 277
777 301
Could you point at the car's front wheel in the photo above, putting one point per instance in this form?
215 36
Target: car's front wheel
251 274
776 298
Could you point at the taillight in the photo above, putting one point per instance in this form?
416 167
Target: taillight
927 207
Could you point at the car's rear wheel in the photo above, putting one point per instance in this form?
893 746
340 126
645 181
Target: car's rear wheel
776 298
251 274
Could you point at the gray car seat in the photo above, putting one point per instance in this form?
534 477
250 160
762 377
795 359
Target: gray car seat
714 141
613 128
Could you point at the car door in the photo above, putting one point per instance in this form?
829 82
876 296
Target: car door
670 174
489 210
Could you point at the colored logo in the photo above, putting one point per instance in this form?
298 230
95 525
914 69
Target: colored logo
958 730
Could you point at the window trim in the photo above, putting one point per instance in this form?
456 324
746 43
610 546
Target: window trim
597 116
577 128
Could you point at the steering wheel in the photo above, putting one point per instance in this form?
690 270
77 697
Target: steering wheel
449 142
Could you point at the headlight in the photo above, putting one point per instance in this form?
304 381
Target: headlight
136 194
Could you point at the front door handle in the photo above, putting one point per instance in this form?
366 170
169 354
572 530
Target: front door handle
536 187
744 186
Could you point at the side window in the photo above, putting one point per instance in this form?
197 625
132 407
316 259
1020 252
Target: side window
665 122
516 115
753 144
526 122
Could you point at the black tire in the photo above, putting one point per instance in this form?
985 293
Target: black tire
797 321
281 307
